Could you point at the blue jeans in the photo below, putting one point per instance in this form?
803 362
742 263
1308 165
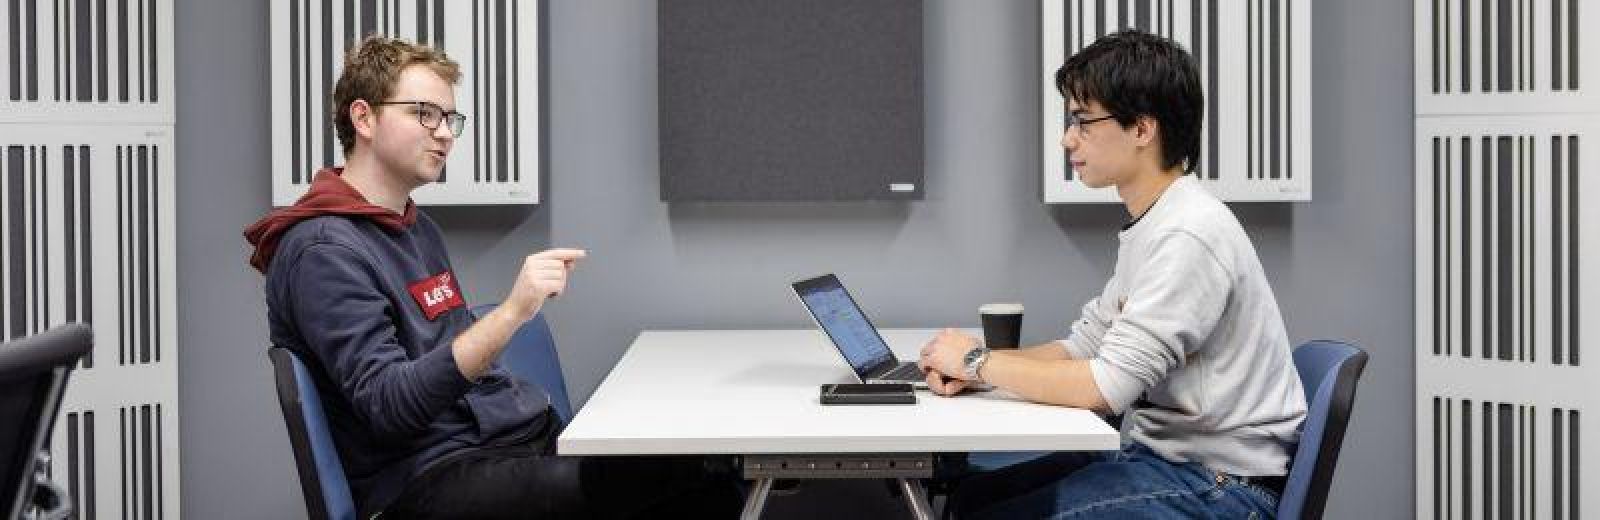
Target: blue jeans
1132 483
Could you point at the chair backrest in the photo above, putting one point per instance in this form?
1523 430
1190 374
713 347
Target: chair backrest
532 356
322 478
33 374
1328 371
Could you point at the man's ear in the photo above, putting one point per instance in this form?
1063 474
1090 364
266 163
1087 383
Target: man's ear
361 116
1145 130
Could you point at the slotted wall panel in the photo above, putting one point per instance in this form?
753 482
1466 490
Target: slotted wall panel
87 235
91 61
1255 68
497 43
1506 135
87 213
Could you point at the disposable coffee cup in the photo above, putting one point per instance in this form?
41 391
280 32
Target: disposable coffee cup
1002 324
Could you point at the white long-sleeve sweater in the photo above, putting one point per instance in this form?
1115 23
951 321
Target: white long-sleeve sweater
1189 322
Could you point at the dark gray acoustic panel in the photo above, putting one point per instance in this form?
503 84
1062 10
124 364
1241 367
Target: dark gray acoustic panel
769 100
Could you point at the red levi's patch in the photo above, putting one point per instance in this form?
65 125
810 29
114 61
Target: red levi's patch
437 294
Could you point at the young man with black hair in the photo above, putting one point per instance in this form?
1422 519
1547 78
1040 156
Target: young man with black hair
358 284
1185 341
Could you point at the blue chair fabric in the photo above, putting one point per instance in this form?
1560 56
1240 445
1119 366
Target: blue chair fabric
322 477
1329 371
985 461
531 355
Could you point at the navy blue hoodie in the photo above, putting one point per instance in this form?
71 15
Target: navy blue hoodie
373 312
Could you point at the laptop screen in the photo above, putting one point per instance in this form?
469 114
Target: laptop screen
844 323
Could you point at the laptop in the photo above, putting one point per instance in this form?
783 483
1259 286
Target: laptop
853 335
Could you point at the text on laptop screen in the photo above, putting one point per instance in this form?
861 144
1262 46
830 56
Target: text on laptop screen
849 328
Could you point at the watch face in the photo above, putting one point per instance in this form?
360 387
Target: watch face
971 361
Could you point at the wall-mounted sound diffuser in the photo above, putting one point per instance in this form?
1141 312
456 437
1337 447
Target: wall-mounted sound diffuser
775 100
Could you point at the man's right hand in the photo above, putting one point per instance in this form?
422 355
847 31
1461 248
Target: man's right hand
543 275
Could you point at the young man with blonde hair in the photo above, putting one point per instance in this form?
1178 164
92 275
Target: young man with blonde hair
359 285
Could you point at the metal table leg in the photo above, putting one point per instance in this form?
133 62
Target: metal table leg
757 499
916 499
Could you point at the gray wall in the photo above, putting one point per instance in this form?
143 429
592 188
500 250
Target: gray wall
1342 265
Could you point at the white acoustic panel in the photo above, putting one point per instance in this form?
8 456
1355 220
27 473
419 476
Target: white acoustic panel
87 213
1504 294
1498 459
1504 56
1255 67
1506 134
80 61
87 234
495 161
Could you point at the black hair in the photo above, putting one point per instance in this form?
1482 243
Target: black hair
1133 74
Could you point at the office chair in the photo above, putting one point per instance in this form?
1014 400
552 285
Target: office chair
1328 371
322 478
531 355
33 372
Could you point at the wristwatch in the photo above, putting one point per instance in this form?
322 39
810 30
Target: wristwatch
974 361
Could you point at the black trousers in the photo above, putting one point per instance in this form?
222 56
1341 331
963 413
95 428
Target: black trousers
530 481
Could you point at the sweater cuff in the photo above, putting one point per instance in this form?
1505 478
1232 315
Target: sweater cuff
1117 388
1074 349
437 371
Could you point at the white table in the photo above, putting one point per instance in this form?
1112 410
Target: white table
754 393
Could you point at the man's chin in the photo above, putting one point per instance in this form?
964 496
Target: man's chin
426 177
1094 183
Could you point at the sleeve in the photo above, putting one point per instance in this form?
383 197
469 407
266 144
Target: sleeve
1174 301
346 322
1083 342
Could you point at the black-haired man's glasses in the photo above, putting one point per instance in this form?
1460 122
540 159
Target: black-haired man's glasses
431 115
1073 120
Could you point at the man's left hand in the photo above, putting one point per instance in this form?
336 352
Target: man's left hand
946 353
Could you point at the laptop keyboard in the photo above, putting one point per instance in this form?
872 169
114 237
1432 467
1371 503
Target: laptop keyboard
905 372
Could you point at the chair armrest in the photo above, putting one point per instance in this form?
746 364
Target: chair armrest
49 502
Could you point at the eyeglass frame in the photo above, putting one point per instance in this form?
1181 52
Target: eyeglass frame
1072 120
456 128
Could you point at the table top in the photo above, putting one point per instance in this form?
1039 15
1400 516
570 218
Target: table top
756 392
